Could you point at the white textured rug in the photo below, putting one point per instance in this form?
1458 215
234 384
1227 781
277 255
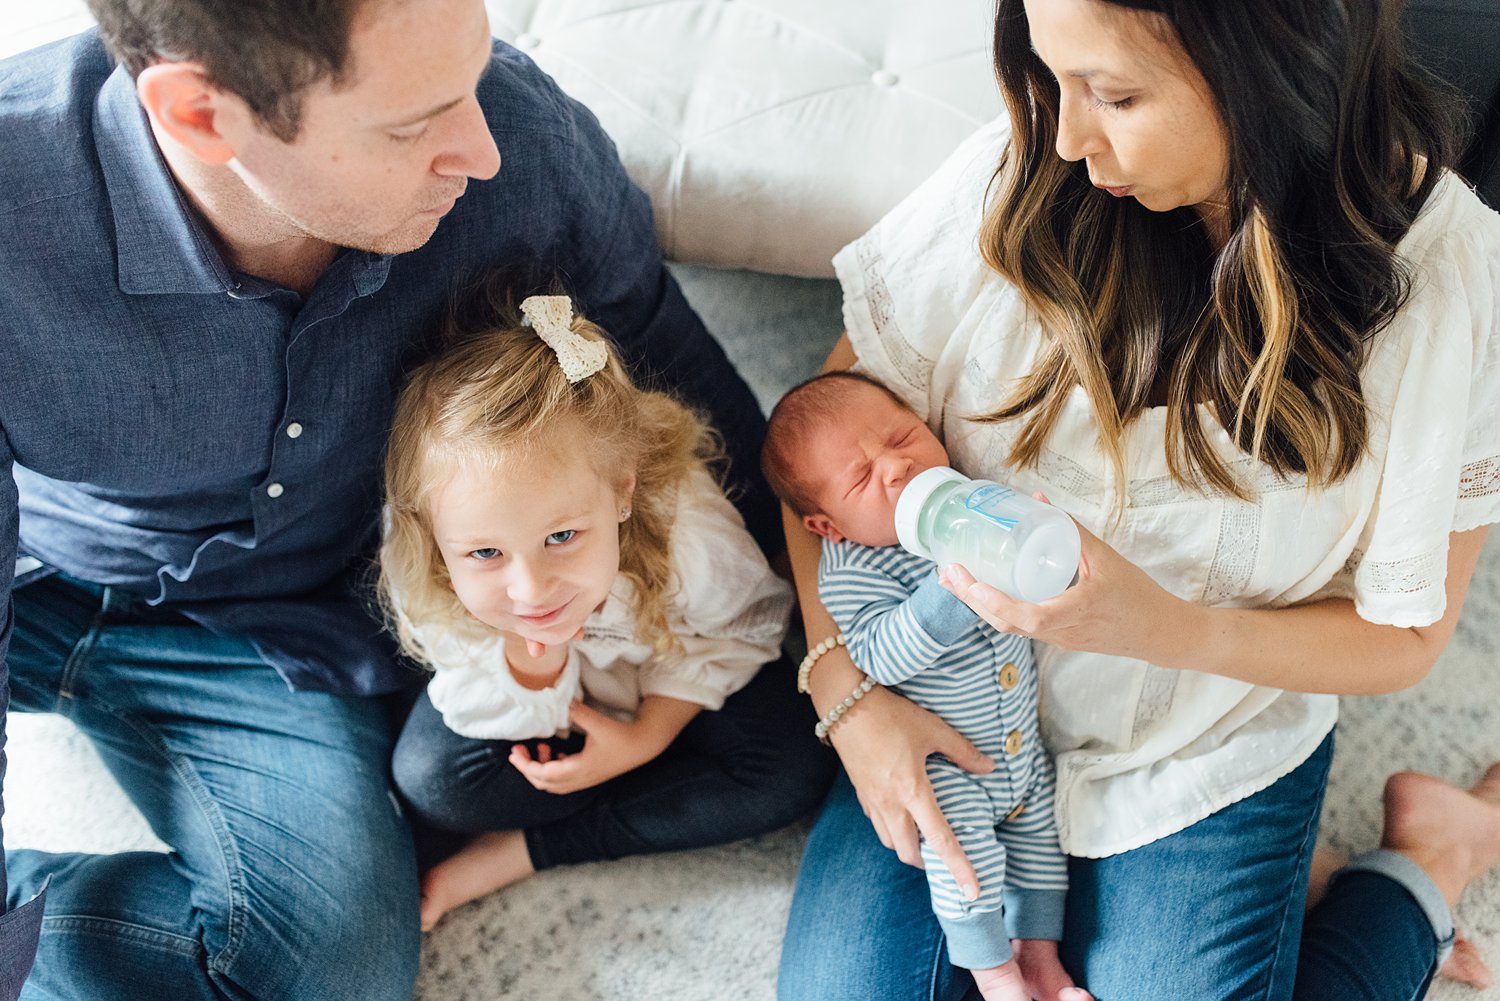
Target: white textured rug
707 925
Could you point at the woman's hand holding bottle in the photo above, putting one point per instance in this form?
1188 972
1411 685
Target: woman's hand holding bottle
1114 608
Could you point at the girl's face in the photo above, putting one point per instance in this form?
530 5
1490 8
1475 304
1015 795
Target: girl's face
1132 105
532 547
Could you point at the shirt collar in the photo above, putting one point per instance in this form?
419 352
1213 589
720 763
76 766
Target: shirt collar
160 244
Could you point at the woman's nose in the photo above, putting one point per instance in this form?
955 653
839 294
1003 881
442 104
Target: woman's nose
1078 135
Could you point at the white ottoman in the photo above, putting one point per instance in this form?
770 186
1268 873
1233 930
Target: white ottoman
768 133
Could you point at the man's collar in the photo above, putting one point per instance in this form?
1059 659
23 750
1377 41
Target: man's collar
160 244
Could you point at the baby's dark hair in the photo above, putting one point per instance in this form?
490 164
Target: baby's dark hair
804 410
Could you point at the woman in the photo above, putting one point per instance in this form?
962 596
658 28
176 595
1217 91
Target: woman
1220 301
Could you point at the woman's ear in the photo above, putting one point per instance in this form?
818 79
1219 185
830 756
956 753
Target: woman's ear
821 524
184 106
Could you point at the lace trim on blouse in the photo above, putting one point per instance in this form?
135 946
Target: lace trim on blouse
1479 479
1411 575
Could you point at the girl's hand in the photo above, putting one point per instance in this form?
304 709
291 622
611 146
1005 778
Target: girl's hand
612 748
1115 608
884 747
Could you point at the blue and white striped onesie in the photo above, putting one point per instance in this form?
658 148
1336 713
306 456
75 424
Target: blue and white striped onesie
908 633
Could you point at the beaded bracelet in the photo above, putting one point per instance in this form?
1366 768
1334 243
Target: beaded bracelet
805 668
830 719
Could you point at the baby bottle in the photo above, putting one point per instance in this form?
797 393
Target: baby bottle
1010 541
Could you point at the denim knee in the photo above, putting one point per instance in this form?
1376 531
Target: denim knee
353 935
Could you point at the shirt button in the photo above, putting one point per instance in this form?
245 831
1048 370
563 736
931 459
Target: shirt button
528 41
1009 676
884 78
1013 742
275 490
294 430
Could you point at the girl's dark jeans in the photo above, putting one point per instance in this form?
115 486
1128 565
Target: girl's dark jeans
748 768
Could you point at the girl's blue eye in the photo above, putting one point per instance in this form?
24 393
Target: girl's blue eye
559 538
484 554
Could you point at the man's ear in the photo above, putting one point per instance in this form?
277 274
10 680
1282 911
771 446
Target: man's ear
821 524
184 105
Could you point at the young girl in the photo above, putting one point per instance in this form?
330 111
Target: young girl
594 613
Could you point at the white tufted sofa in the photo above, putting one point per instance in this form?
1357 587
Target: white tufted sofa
768 133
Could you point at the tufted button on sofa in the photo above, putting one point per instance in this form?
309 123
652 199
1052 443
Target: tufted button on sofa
768 133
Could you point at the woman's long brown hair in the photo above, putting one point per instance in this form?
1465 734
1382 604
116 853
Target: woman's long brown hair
1335 143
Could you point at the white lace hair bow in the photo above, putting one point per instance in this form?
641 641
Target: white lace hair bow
551 316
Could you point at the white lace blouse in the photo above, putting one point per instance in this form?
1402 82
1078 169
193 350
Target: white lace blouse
729 611
1144 751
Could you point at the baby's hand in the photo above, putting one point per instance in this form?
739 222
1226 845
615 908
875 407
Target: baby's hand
1002 983
1043 972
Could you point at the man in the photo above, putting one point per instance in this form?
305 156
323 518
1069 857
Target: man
218 259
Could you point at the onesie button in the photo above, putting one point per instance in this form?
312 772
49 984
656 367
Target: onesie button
884 78
1009 676
1013 742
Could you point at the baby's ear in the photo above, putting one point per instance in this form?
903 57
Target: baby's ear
821 524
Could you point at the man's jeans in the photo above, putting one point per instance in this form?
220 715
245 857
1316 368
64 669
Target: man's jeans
291 874
1211 913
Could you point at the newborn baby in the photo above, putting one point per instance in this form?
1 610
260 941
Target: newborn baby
839 450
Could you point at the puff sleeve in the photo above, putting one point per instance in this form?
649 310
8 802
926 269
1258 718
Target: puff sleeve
1436 374
730 611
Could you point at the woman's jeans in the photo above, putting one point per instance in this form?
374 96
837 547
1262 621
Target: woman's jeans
291 874
750 767
1212 913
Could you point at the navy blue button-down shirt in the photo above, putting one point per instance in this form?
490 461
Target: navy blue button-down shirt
212 441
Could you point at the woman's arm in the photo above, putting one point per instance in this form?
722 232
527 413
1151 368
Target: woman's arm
885 740
1321 647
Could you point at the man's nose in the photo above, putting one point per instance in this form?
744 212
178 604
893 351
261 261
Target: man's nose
472 152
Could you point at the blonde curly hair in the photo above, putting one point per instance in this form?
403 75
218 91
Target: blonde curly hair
492 396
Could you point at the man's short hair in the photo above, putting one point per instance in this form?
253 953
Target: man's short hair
804 409
267 52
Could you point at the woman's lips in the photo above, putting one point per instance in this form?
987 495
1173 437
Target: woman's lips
1117 192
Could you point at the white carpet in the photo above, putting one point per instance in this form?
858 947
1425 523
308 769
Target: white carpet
707 925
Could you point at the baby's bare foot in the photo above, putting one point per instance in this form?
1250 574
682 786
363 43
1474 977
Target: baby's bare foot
1453 834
